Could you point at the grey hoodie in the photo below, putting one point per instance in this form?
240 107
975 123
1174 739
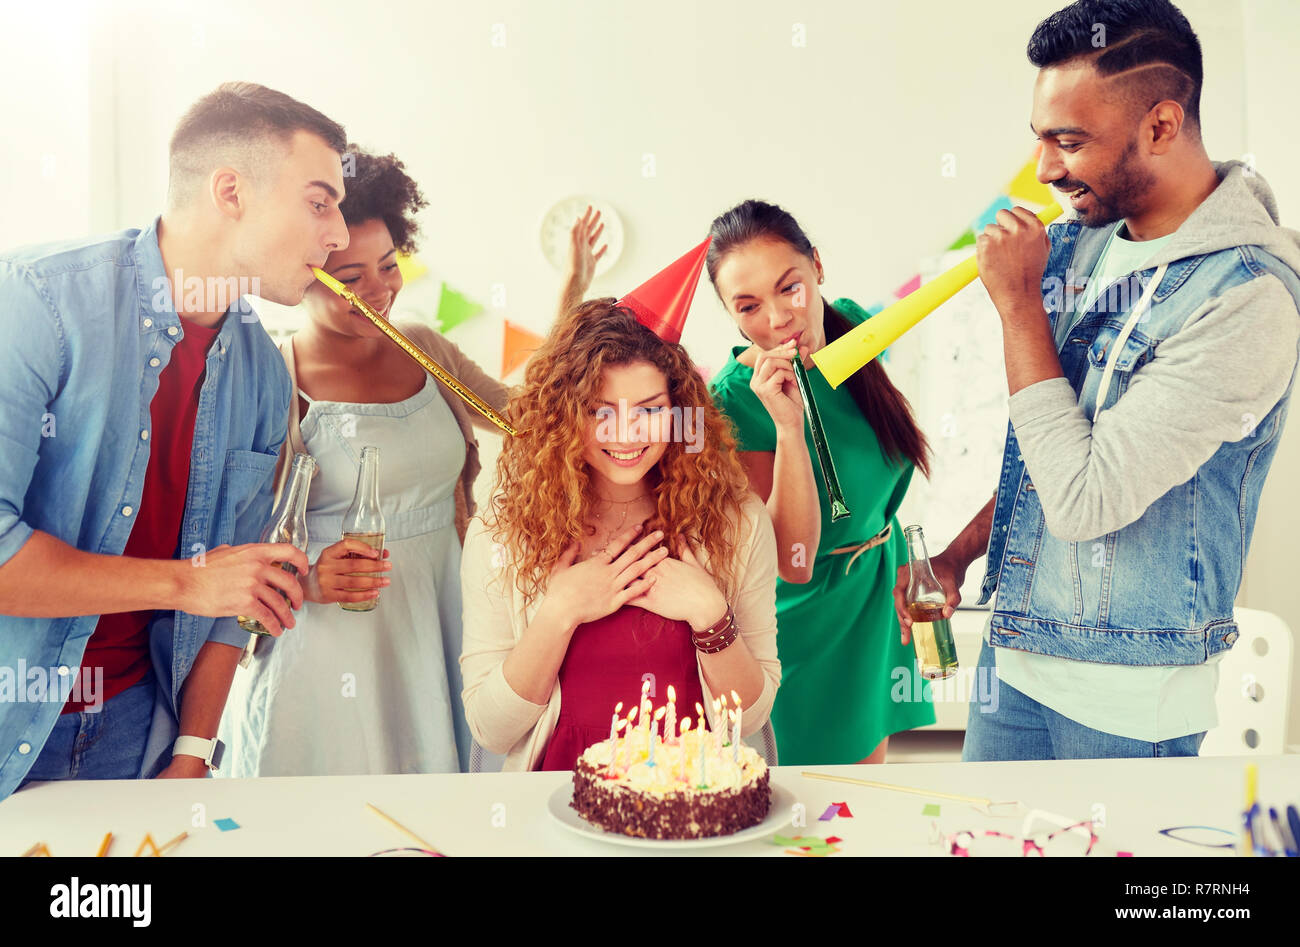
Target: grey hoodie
1231 361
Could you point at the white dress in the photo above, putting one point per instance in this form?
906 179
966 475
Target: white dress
376 692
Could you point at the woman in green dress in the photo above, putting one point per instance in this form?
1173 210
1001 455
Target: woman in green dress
844 664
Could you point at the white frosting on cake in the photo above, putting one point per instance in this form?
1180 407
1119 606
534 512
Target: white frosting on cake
632 767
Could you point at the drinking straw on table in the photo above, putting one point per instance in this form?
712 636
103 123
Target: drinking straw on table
176 841
401 828
103 846
974 800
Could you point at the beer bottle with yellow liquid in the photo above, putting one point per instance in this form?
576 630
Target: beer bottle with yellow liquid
364 520
288 525
936 652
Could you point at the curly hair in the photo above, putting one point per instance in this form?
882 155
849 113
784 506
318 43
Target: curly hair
378 188
543 487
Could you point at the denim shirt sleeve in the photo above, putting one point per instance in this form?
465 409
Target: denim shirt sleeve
1207 384
248 527
31 364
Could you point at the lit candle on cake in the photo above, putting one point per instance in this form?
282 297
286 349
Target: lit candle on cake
613 723
627 739
686 726
645 706
736 739
654 734
613 743
722 725
670 727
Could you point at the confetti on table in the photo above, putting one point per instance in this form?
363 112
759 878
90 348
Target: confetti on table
226 825
840 809
806 845
930 809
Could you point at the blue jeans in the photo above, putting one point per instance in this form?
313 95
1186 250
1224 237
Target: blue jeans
108 744
1020 728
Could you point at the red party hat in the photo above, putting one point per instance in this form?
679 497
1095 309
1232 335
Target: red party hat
662 302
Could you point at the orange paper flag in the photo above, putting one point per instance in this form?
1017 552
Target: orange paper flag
518 345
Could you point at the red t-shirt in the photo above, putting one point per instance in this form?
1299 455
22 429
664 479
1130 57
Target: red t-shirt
120 642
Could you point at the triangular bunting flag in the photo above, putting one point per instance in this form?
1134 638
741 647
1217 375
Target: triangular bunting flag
410 268
454 308
1025 186
910 286
965 240
519 343
990 214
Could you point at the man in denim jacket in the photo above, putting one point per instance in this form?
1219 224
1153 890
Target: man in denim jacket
142 407
1151 347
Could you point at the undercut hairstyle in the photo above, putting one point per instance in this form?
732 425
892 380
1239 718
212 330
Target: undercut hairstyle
244 126
379 188
1146 46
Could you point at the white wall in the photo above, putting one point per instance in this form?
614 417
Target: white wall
45 150
1271 136
847 131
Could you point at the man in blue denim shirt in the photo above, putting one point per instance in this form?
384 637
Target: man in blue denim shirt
90 327
1146 403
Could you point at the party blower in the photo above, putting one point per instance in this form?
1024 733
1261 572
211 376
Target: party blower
413 350
841 358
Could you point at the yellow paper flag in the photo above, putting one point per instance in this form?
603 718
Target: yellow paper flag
1025 186
410 268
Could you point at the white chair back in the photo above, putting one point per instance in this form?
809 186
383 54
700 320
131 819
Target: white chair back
1254 694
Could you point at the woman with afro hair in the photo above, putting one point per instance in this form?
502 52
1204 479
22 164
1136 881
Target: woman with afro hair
362 692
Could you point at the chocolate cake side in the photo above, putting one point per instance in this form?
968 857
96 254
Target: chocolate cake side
614 806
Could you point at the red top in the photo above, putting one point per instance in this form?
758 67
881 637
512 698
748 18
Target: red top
605 664
120 642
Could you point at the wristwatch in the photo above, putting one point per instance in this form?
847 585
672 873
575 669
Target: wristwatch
209 751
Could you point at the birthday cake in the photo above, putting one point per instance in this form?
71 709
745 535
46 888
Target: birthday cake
692 785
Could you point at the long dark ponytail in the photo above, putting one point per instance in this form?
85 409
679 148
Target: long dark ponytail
883 405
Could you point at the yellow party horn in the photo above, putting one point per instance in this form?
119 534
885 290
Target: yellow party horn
413 350
841 358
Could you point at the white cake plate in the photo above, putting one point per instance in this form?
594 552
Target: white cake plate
778 817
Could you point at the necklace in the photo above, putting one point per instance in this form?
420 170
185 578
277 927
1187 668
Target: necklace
610 534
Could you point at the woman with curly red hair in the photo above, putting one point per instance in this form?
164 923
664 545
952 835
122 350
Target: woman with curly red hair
622 544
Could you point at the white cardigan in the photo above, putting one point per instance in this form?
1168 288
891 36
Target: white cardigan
495 619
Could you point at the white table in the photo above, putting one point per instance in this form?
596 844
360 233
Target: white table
326 815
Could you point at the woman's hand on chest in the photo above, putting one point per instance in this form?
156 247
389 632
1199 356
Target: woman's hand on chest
682 590
580 592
